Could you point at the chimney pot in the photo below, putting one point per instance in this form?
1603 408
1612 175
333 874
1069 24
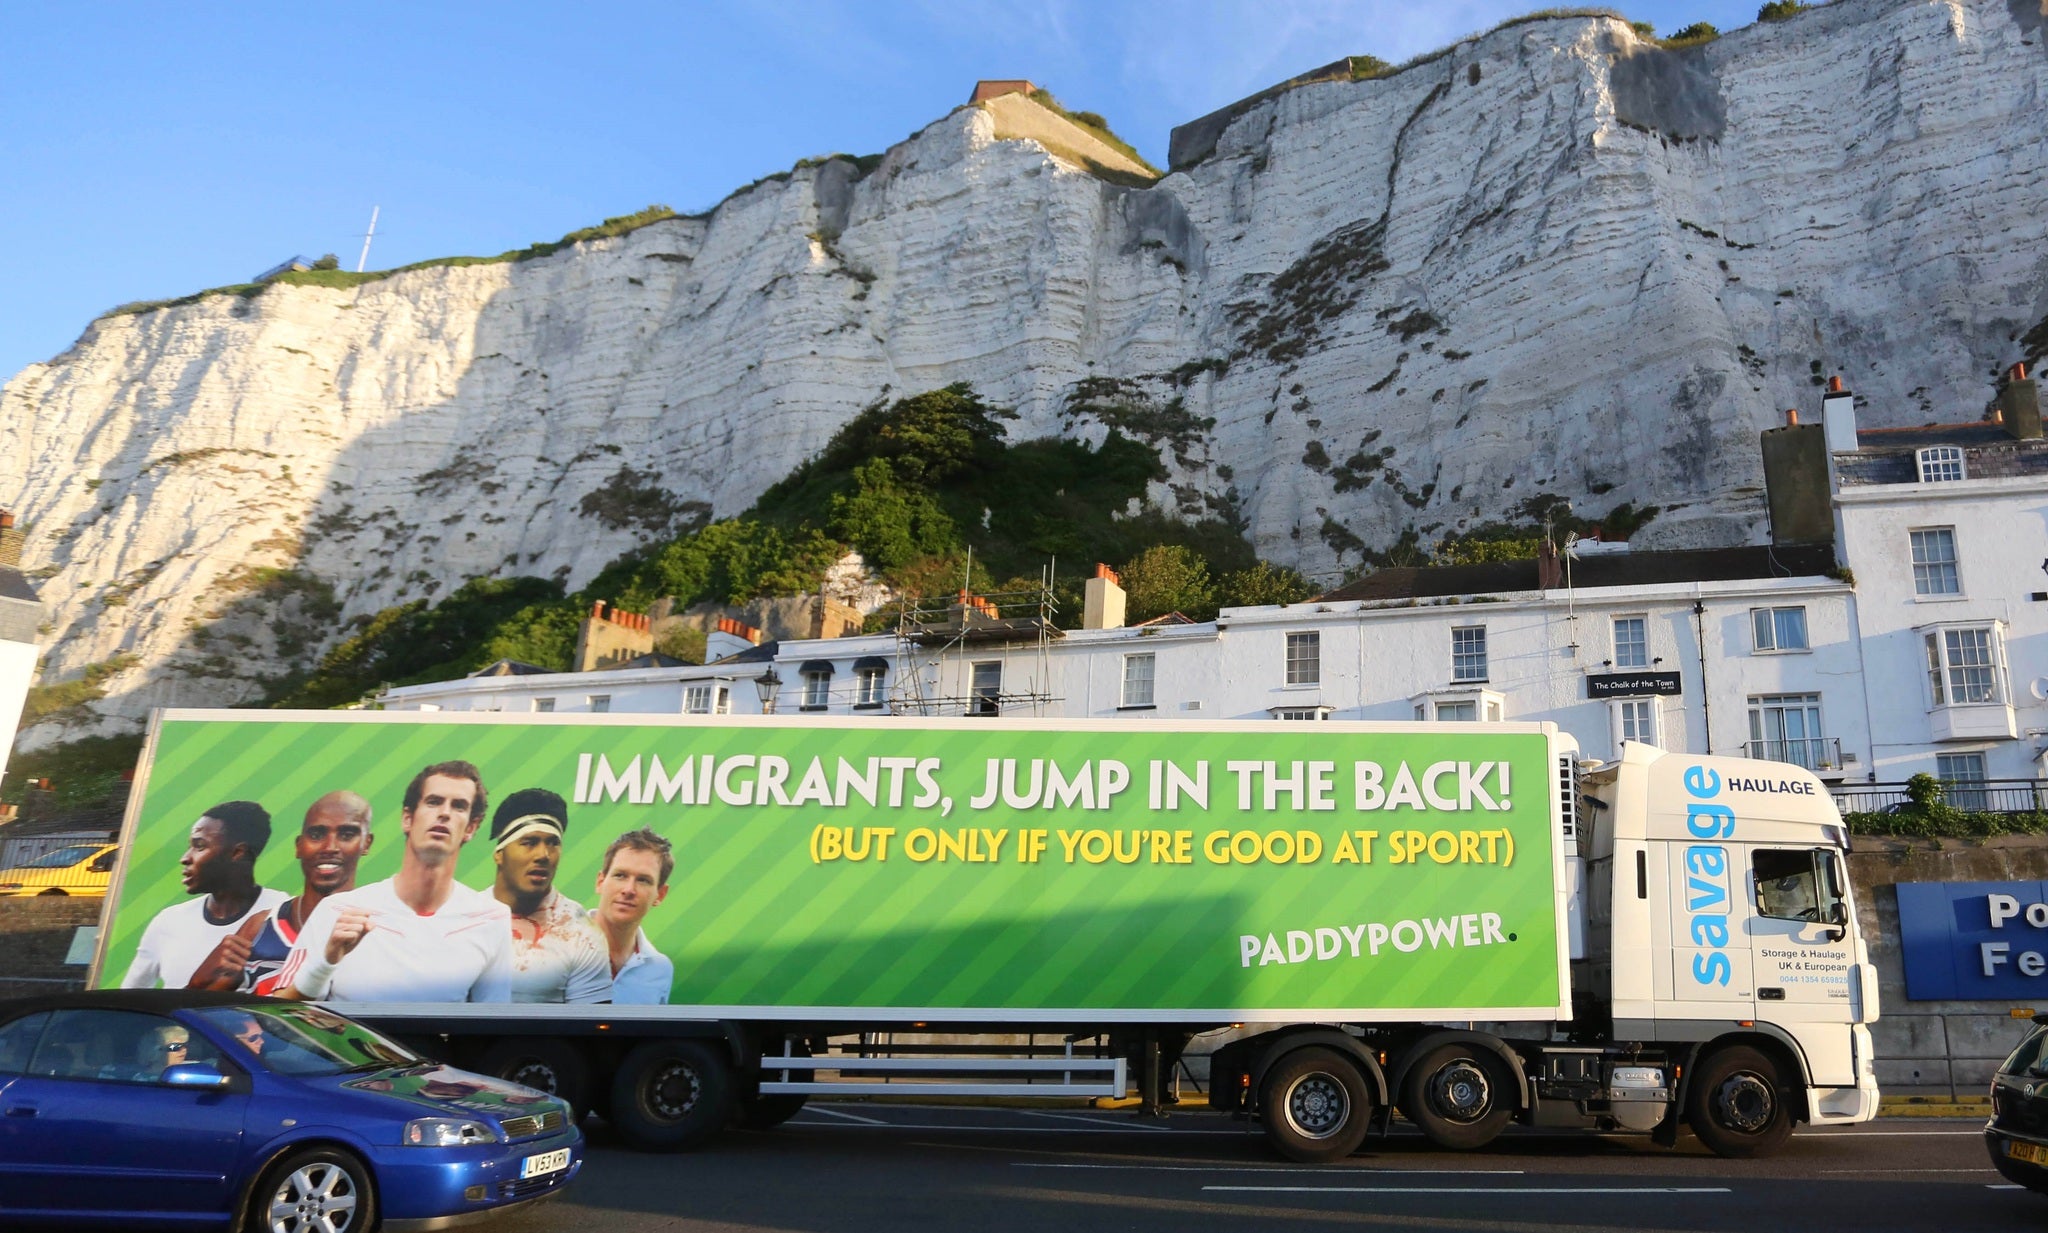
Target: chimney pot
1998 415
1791 417
1834 385
6 520
2019 373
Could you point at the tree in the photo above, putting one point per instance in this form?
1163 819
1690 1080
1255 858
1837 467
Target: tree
889 524
1779 10
1263 583
1168 578
328 261
1697 32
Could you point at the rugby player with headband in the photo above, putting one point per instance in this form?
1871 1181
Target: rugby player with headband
558 954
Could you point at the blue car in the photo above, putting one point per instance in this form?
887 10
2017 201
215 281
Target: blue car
190 1109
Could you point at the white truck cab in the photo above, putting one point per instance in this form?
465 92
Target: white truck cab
1719 921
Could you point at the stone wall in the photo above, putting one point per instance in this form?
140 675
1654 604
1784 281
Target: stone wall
1935 1048
35 935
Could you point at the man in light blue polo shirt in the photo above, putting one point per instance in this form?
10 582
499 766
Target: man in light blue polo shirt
633 879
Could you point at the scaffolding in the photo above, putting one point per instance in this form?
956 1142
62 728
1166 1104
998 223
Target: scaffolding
961 654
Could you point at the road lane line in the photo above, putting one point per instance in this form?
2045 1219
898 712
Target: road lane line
1075 1117
1015 1130
1890 1134
2005 1186
1325 1170
1477 1188
1985 1169
851 1117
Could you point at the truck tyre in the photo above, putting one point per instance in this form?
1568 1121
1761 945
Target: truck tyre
671 1094
544 1063
1738 1104
1461 1096
1316 1105
768 1112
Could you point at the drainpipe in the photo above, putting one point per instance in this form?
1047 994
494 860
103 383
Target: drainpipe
1699 624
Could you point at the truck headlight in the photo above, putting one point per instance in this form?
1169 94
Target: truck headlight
447 1132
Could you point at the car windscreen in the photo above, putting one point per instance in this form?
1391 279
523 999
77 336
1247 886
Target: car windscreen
2027 1058
61 857
306 1040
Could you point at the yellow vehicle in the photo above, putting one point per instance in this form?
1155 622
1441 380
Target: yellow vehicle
74 869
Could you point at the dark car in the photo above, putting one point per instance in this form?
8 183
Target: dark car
161 1107
2017 1134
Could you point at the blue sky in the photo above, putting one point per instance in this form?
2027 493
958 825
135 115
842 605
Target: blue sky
150 150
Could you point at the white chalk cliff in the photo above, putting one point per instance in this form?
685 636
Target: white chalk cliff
1553 259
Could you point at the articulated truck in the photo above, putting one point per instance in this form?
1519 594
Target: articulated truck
688 924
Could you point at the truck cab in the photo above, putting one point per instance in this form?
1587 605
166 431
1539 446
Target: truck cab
1719 922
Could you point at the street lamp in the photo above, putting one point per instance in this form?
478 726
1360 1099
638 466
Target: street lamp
768 685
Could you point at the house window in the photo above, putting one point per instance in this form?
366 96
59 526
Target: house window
987 690
1635 719
723 703
817 688
543 706
1138 671
697 700
1962 666
868 686
1778 629
1631 642
1940 462
1934 561
1962 777
1786 728
1457 712
1300 713
1468 653
600 703
1304 659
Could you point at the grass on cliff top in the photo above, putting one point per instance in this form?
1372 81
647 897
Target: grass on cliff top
343 279
1095 126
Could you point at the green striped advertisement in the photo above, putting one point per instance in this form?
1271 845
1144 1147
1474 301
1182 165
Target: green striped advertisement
912 869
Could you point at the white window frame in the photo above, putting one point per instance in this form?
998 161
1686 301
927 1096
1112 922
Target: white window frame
1959 786
1940 464
1766 635
1465 658
1488 705
1637 719
1813 744
1930 570
543 706
981 699
1300 713
1631 651
1950 649
1140 682
870 688
817 690
599 704
1304 658
696 699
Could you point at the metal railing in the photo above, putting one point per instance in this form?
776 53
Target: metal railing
1969 795
1815 753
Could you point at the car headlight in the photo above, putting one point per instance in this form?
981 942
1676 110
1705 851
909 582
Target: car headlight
447 1132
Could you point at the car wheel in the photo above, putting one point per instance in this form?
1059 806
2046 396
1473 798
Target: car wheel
670 1094
545 1063
1737 1104
1460 1096
1315 1105
320 1190
55 890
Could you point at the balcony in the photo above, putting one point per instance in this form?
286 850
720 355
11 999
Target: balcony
1968 795
1820 754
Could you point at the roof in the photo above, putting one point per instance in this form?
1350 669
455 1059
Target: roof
1978 433
1171 618
763 653
15 585
653 659
1619 569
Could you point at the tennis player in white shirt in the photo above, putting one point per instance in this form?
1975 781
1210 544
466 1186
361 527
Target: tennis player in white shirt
557 954
417 936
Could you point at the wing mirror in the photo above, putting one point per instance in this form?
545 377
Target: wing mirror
195 1074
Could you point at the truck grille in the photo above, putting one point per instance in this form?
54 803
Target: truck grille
527 1127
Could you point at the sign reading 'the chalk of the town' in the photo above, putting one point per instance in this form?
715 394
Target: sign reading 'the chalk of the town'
1631 684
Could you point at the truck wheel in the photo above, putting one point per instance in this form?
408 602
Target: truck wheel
1737 1103
768 1112
670 1094
545 1063
1315 1105
1459 1095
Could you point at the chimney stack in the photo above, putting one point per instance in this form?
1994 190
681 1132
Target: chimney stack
1796 480
1102 600
2019 399
1549 567
11 540
1838 416
730 638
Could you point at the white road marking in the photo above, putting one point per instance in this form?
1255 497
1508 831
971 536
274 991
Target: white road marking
851 1117
1866 1172
1324 1170
1075 1117
1890 1134
1017 1130
1479 1188
2006 1186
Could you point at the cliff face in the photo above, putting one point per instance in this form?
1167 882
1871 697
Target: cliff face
1553 259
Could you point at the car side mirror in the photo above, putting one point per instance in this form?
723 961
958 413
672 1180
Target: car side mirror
195 1074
